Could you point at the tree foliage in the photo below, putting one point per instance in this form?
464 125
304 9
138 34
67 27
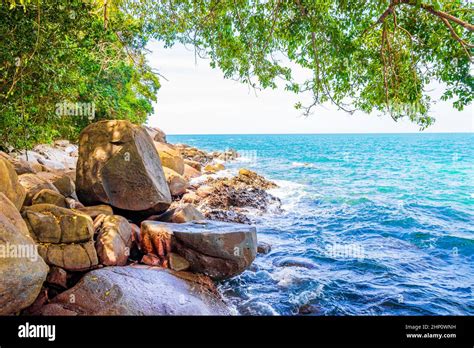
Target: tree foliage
377 55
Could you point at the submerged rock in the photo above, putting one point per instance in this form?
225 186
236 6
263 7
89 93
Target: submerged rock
139 290
119 165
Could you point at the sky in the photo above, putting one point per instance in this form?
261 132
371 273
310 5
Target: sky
196 99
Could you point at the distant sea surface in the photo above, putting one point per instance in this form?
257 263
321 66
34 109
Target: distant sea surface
373 224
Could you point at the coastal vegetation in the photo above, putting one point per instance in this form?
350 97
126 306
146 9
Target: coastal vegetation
370 56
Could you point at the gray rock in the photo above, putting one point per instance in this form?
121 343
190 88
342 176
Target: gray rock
138 290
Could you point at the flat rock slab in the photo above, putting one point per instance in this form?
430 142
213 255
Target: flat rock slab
218 249
138 290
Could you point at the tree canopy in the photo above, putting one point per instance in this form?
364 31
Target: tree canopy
377 55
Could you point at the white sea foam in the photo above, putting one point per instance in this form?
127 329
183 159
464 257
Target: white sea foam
303 164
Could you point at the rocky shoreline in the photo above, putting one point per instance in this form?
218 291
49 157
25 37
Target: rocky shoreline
124 223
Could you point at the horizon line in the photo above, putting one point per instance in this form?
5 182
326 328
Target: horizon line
346 133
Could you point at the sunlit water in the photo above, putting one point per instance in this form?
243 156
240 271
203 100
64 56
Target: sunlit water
376 224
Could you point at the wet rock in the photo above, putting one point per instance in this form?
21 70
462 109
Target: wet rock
22 270
170 157
294 262
33 184
263 248
133 290
253 179
227 216
119 165
219 196
49 197
182 214
114 241
10 185
218 249
176 183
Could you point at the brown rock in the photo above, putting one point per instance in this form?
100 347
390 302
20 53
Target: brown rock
33 184
170 157
263 248
52 224
49 197
57 276
114 241
194 164
119 165
176 183
9 184
190 197
184 213
9 211
151 260
190 172
61 180
178 263
71 257
96 210
22 270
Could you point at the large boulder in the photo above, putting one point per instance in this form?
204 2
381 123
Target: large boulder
64 236
114 241
8 209
119 165
218 249
170 157
70 256
138 290
9 184
33 184
53 224
22 270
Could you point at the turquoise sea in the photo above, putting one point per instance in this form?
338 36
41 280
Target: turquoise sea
373 224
